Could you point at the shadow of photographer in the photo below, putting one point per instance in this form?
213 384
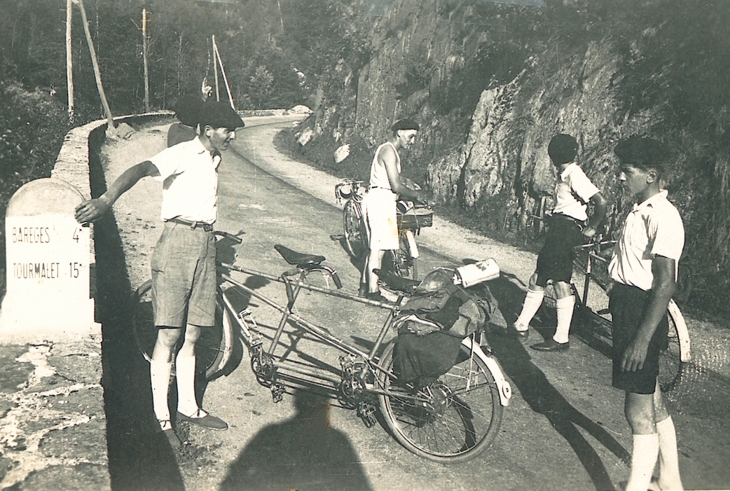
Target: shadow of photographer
304 452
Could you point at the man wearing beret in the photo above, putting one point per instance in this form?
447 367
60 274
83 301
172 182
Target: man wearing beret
183 262
569 223
386 184
644 274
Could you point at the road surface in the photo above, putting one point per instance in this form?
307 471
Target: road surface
565 428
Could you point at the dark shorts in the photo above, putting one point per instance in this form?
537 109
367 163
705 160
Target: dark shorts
555 261
184 277
627 305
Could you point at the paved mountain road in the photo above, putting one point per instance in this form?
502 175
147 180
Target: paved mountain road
564 430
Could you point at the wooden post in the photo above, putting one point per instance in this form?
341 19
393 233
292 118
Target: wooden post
69 63
146 67
215 70
95 63
223 71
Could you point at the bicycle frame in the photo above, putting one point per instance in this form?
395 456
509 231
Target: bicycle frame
369 359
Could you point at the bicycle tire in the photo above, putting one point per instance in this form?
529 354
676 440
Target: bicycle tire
356 241
673 360
400 262
211 347
456 428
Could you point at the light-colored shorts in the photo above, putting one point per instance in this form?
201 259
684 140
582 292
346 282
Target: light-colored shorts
381 219
184 277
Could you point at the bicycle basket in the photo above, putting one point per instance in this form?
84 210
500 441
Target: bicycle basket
412 216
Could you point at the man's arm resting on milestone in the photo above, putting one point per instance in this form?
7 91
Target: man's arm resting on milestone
661 292
90 210
599 213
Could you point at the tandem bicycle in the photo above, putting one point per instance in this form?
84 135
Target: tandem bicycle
450 419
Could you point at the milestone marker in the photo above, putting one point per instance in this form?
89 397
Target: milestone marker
47 266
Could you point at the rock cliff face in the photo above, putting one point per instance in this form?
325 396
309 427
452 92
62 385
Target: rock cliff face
490 99
499 161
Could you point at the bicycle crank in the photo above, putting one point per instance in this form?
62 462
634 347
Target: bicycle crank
366 411
277 392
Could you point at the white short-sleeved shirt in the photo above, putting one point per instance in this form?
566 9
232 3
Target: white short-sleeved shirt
573 182
653 228
189 175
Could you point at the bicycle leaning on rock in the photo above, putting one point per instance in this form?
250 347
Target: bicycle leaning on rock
449 419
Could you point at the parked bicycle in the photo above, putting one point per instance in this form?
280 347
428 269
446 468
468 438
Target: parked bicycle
591 261
450 419
411 218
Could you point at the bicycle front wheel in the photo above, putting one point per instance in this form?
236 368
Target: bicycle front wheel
213 344
673 360
451 420
356 240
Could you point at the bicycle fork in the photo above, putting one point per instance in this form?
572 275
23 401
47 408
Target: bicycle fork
412 247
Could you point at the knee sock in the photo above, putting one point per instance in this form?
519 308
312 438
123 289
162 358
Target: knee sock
643 459
669 478
185 370
533 300
160 381
565 315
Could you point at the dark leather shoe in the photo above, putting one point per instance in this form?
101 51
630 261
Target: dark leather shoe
170 434
514 332
202 418
551 345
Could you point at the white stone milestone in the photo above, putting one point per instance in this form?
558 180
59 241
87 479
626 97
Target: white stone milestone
48 266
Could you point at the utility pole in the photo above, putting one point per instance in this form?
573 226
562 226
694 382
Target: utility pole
95 63
69 63
223 71
146 68
215 69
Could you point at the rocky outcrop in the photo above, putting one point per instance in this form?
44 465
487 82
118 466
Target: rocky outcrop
490 94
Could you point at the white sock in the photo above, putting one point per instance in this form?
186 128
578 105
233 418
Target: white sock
565 315
669 478
533 300
160 381
643 459
185 370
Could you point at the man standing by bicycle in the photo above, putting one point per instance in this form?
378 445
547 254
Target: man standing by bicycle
379 204
183 263
567 228
644 272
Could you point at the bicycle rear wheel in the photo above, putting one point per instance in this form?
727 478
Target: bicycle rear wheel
453 420
400 262
356 239
213 343
673 360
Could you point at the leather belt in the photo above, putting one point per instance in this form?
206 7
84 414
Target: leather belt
193 225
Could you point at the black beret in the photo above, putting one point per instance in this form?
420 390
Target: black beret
405 124
562 149
219 115
645 153
187 110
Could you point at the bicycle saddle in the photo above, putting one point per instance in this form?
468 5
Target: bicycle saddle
297 258
397 282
